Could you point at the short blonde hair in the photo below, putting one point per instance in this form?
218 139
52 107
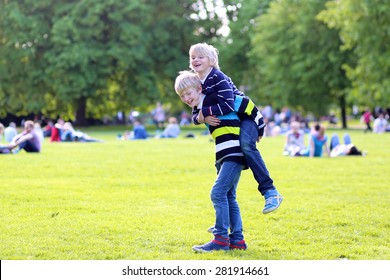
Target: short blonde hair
29 124
295 125
186 80
207 51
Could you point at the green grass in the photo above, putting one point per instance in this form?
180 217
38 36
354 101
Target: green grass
149 200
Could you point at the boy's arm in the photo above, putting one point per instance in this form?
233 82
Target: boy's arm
20 138
198 118
224 98
195 115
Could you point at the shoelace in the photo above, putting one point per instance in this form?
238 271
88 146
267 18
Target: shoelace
269 200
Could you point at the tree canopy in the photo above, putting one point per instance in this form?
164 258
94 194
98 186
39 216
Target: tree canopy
298 60
364 29
89 58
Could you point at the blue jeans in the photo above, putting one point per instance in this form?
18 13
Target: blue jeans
223 196
248 138
335 141
28 147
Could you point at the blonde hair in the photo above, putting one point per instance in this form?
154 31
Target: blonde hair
186 80
295 125
29 124
207 51
172 120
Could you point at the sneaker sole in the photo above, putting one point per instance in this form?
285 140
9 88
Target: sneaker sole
269 210
200 250
237 248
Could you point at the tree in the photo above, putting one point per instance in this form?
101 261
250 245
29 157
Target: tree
86 58
298 60
363 26
21 38
235 47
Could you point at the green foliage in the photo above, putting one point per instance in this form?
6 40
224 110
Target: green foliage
234 49
298 60
149 200
363 26
90 58
95 57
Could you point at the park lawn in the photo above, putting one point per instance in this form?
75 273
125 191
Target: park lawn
149 200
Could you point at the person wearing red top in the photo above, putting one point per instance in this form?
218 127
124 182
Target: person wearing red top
367 118
56 131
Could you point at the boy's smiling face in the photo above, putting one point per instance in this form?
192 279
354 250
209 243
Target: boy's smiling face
200 63
192 96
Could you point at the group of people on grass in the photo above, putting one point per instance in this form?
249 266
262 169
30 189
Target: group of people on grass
380 122
236 125
63 131
139 132
317 143
30 139
32 136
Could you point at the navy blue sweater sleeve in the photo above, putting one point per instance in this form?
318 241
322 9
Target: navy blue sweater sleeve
195 113
217 84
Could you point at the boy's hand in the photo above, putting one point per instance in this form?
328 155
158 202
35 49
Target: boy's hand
200 117
259 138
212 120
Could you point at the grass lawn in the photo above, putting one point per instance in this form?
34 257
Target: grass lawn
149 200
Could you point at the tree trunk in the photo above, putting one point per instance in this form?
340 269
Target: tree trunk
80 113
343 112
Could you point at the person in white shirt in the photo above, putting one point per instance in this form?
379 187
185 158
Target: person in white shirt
10 132
380 124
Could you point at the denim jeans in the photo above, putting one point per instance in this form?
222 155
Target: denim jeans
248 138
28 147
223 196
335 140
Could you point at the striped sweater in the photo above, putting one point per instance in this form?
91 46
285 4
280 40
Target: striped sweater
226 135
224 93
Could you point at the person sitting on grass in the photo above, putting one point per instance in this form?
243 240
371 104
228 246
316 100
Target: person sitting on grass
1 131
172 130
138 133
27 140
380 124
295 140
10 132
317 142
3 149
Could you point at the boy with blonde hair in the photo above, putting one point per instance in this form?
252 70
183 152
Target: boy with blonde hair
204 62
229 163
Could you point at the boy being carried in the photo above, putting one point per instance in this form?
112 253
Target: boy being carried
219 87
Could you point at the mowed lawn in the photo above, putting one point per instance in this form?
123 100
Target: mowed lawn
149 200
